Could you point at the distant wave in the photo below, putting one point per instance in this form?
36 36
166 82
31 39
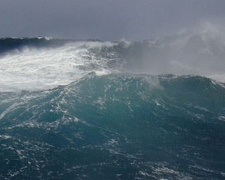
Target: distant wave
12 43
9 44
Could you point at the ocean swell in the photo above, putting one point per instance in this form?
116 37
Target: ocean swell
116 126
112 110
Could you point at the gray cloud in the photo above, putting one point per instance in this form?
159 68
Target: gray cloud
104 19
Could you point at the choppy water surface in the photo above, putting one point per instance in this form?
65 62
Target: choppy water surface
100 110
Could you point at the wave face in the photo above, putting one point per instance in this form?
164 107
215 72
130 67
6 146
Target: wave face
95 110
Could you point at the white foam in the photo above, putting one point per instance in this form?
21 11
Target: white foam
37 69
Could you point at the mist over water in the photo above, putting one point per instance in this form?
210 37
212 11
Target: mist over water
32 64
197 51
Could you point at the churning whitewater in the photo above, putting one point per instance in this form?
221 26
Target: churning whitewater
112 110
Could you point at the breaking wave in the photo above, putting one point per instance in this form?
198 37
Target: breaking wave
112 110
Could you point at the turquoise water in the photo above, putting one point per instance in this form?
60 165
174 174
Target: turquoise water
117 126
112 110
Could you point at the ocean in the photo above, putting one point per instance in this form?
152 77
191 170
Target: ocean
73 109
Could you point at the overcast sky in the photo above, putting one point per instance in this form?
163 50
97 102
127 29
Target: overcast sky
105 19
